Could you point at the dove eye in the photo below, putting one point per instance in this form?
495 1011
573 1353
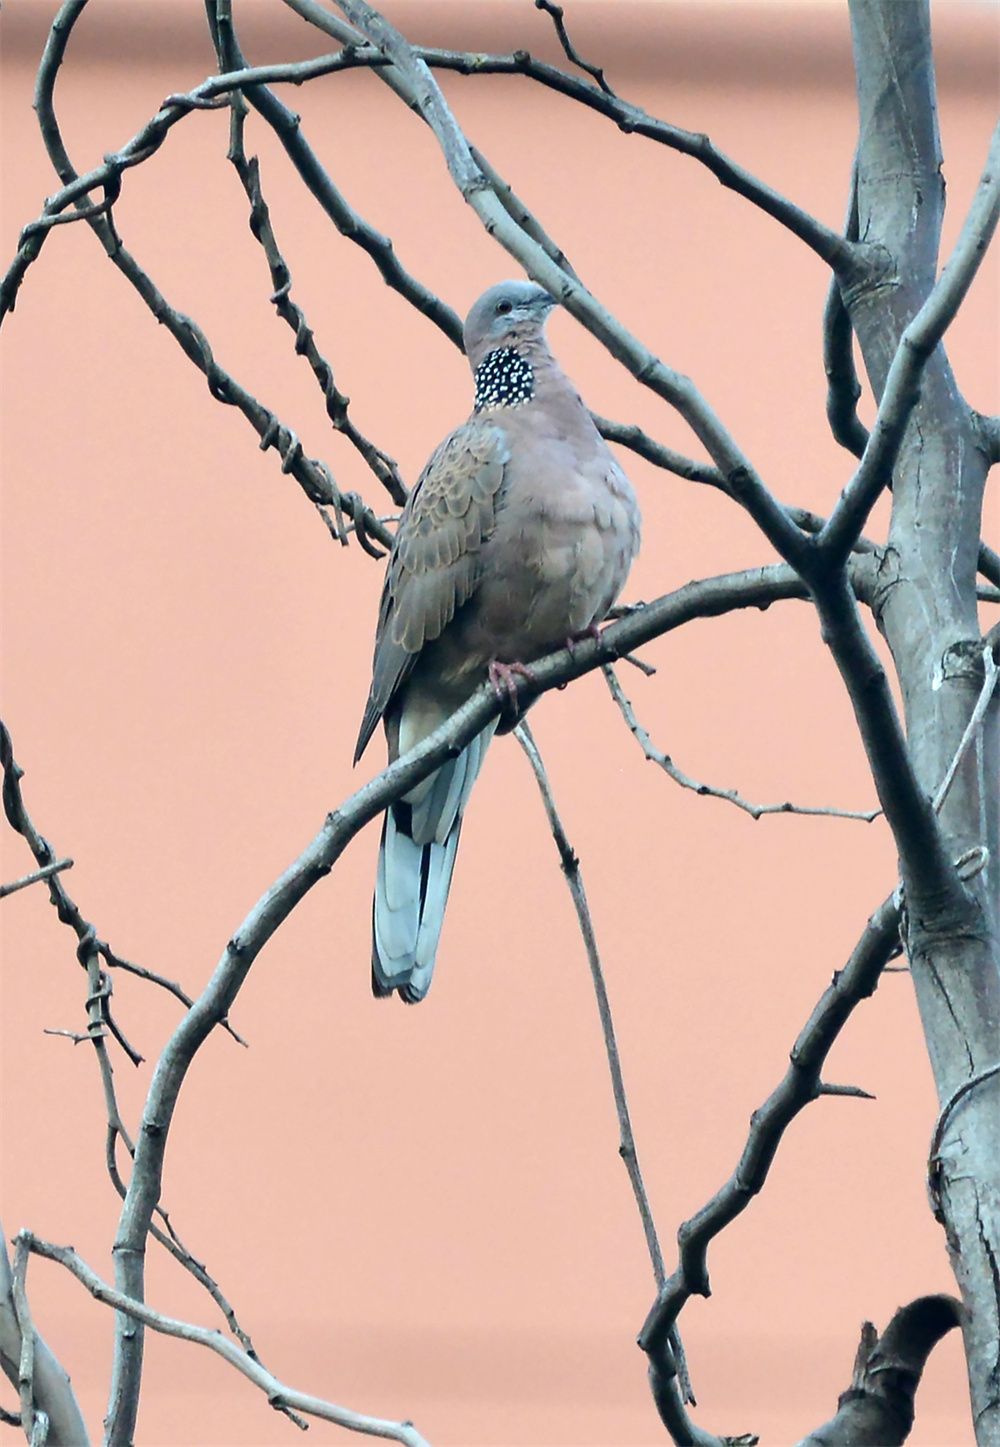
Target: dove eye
504 306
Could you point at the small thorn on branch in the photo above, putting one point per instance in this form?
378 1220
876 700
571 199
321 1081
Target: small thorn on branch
829 1087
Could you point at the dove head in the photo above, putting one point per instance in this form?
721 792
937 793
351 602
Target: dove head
503 334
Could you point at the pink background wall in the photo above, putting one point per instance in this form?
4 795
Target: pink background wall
421 1212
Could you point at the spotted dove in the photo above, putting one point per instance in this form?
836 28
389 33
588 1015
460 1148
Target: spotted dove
517 538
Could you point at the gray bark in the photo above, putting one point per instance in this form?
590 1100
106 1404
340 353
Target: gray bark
926 608
52 1390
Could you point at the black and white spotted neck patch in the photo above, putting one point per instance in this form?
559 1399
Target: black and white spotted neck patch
504 378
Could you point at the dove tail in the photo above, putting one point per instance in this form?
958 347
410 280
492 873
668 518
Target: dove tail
415 864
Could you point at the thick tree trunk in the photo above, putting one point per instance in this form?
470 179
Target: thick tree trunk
926 608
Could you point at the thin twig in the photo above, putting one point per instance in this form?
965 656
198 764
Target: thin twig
556 12
278 1394
731 796
35 877
312 475
248 170
350 223
115 962
77 1036
108 175
630 119
25 1325
99 1006
90 951
57 1416
519 213
626 1145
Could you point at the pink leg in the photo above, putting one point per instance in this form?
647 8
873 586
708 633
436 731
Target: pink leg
502 676
591 631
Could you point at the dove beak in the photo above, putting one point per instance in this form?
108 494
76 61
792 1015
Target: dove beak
543 302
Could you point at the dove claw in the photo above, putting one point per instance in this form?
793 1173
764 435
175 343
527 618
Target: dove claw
502 680
591 631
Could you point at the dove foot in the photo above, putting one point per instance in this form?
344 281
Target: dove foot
591 631
502 679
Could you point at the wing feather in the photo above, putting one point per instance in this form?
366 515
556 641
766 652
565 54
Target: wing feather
433 568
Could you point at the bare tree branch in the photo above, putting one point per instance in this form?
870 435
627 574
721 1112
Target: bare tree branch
631 119
633 437
907 808
381 464
572 54
279 1395
143 145
878 1405
90 945
47 1401
731 796
902 385
248 169
989 564
90 951
421 91
37 876
313 477
843 387
931 624
115 962
519 213
707 598
570 864
800 1085
348 222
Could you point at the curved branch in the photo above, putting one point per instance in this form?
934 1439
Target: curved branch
337 404
555 14
140 148
829 245
626 1140
712 791
279 1396
878 1405
800 1085
350 224
313 476
52 1390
